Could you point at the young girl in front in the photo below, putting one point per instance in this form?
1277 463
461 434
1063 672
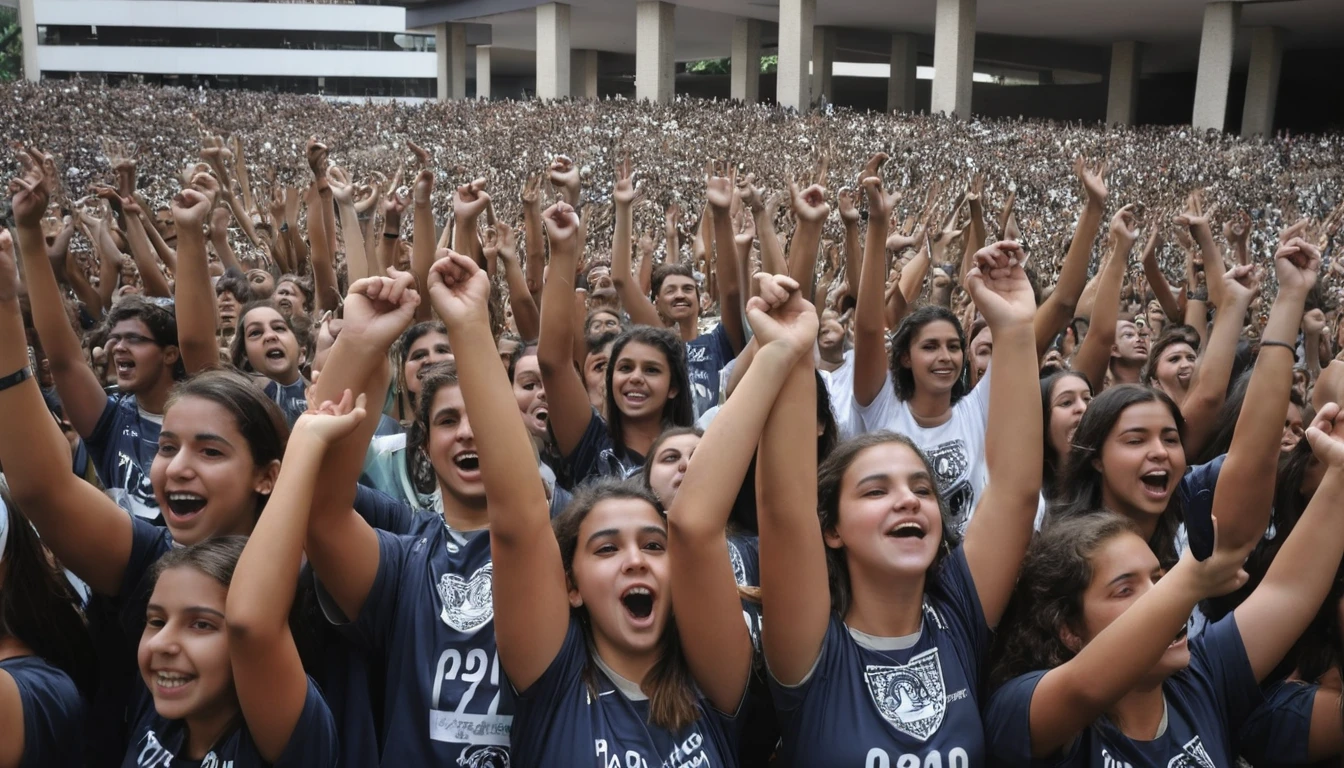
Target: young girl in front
888 619
222 680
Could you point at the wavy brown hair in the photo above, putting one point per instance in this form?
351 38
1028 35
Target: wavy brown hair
669 685
1049 594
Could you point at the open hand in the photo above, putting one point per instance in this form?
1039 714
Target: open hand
29 191
329 422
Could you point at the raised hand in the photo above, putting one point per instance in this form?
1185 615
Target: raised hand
317 157
506 239
748 192
1296 264
422 156
999 286
1093 178
746 230
873 167
1125 225
1313 322
880 203
1195 215
378 309
624 191
562 223
192 206
720 181
564 176
848 201
810 204
1326 435
1237 229
780 314
423 186
29 190
341 188
219 221
531 193
470 200
9 272
329 422
394 204
458 289
1241 283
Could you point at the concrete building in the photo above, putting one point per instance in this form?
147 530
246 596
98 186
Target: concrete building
1224 65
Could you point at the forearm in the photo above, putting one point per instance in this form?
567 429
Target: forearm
912 276
219 238
324 267
1161 288
165 254
356 259
424 240
853 252
79 283
525 313
803 254
244 219
555 345
1213 262
1209 390
726 273
1073 273
772 252
534 248
195 305
1015 420
59 340
1312 344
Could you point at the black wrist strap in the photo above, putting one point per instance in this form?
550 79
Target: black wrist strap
16 378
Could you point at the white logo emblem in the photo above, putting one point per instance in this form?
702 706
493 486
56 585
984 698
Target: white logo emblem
467 605
910 696
483 757
1193 755
739 567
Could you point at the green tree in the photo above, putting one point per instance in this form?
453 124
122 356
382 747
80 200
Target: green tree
11 45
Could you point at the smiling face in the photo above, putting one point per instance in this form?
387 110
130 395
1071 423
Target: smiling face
1069 399
137 361
428 349
184 649
452 449
889 522
1124 568
935 357
670 461
204 475
1141 462
272 349
620 575
531 395
641 381
1175 368
678 298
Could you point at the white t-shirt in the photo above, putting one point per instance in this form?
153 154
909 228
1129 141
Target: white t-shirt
840 388
955 448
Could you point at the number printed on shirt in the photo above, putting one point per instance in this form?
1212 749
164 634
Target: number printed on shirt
472 671
956 758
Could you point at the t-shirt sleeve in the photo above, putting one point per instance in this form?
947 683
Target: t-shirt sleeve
98 439
789 698
1007 720
880 413
1218 657
149 542
371 628
53 715
582 461
1276 732
723 346
541 703
965 616
313 743
382 512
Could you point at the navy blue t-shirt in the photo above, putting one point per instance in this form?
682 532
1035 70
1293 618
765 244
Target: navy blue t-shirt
53 713
1277 732
1207 703
758 723
559 721
123 444
873 701
706 355
156 741
429 617
597 455
292 398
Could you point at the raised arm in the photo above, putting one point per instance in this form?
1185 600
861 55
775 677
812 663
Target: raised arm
525 313
79 388
267 671
1059 308
324 252
719 194
343 192
1157 280
870 351
393 205
847 200
1279 610
564 176
763 211
84 529
469 202
341 545
1209 388
570 412
811 208
1069 698
794 586
424 238
195 305
636 302
532 604
1201 227
1001 528
1094 354
716 642
533 237
146 260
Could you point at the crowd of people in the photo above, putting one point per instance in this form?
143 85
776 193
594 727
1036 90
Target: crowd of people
501 434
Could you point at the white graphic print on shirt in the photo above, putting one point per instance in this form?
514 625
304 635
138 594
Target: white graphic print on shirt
951 464
467 605
910 696
1193 755
477 756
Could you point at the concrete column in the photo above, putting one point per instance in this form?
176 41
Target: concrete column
901 84
450 41
28 31
1123 91
746 61
553 51
583 74
655 47
794 82
953 57
1262 82
483 72
823 63
1216 46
